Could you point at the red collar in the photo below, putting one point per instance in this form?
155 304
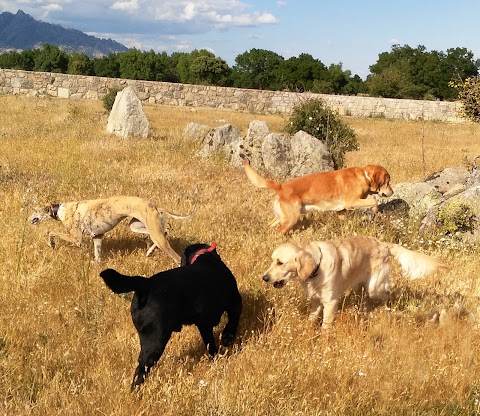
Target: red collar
203 251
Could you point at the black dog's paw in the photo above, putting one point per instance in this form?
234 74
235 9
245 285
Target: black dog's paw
227 339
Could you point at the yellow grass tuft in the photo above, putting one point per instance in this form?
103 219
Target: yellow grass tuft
68 346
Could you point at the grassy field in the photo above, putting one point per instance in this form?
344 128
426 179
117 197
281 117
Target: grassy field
68 346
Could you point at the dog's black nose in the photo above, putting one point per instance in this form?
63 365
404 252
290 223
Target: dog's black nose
265 278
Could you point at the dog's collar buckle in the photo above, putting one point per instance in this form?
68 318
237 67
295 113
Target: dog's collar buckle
203 251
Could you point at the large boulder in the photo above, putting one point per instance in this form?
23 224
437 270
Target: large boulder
280 156
196 130
127 117
276 155
309 155
447 203
444 180
420 197
253 142
223 139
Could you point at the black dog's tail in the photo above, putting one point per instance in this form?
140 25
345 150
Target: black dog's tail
119 283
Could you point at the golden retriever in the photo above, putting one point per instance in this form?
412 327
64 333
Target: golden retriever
334 190
327 269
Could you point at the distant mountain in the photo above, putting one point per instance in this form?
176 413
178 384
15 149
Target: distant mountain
21 31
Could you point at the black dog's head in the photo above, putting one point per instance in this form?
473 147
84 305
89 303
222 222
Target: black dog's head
191 253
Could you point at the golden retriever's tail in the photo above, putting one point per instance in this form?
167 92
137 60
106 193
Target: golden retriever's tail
414 264
257 180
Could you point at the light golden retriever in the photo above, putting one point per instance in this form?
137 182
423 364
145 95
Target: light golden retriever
334 190
327 269
95 217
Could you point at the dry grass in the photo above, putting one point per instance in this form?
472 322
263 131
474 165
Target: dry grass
67 345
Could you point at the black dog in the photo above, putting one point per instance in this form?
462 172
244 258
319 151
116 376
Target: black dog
197 293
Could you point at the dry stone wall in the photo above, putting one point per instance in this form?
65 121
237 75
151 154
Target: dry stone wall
46 84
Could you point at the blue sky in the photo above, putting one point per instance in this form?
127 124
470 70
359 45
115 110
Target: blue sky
351 32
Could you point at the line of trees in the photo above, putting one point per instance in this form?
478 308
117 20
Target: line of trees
404 72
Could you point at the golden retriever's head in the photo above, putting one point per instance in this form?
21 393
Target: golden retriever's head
289 262
379 180
40 214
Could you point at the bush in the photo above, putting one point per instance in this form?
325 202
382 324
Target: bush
469 95
455 216
317 119
109 98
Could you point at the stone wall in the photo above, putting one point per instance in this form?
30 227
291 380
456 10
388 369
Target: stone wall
46 84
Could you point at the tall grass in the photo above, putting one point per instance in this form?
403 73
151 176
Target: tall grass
68 346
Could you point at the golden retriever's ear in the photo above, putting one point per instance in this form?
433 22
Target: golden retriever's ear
305 265
376 174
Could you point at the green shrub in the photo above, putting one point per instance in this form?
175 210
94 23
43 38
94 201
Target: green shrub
469 95
455 216
317 119
109 98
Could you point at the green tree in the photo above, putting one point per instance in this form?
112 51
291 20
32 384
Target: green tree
107 66
210 70
299 73
10 60
458 63
256 68
182 66
50 58
18 60
27 61
407 72
80 64
338 77
354 86
389 83
134 64
165 67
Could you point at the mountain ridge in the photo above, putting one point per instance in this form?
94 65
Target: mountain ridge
21 31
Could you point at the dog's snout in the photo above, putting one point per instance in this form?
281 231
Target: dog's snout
266 278
387 193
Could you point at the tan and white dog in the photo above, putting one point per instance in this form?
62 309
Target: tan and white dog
327 269
94 217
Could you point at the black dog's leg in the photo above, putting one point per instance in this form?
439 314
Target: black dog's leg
234 311
206 332
152 348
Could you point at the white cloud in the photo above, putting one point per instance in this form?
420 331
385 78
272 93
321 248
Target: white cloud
129 6
219 12
189 12
253 19
52 7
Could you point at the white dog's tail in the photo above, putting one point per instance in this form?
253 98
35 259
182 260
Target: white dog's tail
174 215
414 264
